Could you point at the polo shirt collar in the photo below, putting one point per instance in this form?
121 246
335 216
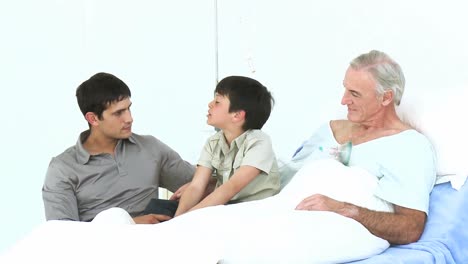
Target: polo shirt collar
82 155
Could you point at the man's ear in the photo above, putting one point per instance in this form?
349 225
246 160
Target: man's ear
387 98
92 118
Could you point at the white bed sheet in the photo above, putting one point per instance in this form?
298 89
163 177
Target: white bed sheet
265 231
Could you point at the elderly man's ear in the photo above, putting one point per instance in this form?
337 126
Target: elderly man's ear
387 98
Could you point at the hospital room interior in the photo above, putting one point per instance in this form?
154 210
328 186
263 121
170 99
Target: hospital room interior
173 53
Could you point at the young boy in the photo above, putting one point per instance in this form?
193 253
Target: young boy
240 154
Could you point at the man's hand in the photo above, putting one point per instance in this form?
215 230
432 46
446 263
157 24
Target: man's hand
177 194
151 219
319 202
403 226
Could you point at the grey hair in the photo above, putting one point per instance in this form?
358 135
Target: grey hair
385 71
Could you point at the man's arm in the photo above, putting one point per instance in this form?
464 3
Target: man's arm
175 172
58 196
223 194
404 226
59 205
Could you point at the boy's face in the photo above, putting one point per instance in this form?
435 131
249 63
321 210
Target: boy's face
218 112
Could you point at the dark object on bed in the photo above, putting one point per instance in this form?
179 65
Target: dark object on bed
161 206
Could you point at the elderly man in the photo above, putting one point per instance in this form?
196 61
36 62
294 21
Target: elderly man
401 158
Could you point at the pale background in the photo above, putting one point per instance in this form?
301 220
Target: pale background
166 52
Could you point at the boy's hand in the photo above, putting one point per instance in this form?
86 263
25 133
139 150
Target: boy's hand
151 219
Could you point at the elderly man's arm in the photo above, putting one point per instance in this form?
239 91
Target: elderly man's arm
401 227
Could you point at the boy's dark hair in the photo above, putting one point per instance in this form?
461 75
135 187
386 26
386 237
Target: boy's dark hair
98 92
249 95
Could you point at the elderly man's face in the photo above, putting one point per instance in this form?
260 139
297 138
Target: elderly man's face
360 96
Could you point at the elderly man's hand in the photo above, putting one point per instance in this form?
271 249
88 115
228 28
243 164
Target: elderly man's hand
151 219
319 202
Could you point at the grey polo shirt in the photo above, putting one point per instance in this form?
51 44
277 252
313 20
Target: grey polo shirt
79 185
252 148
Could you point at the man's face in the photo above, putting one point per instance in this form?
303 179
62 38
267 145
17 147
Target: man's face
360 96
116 121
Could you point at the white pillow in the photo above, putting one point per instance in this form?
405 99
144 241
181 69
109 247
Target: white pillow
440 115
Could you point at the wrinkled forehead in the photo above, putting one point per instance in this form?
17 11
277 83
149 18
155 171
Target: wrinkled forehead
358 79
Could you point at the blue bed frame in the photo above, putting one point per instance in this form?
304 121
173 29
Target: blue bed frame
445 237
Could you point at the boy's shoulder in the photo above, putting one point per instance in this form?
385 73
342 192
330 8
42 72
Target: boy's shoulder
253 136
248 137
256 134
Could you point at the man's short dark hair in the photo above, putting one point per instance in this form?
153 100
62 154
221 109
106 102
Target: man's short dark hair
247 94
98 92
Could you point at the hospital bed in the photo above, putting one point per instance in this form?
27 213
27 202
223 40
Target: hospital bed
445 237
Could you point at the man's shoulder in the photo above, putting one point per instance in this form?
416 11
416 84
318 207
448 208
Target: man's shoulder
414 137
341 129
64 163
146 140
149 143
340 125
137 138
67 155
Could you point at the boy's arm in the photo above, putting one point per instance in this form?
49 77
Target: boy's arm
223 194
209 189
195 190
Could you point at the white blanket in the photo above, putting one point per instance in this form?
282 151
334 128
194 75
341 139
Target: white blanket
265 231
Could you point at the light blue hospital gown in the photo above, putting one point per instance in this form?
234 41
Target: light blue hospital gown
404 164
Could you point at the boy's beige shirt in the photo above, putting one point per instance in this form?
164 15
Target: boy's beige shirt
252 148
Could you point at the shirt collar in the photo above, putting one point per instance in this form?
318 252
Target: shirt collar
238 141
82 155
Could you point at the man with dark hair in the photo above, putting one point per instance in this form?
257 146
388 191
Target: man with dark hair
110 166
240 154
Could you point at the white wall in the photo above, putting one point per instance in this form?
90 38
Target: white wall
300 49
164 50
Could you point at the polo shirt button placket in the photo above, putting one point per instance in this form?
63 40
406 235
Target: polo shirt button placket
120 168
